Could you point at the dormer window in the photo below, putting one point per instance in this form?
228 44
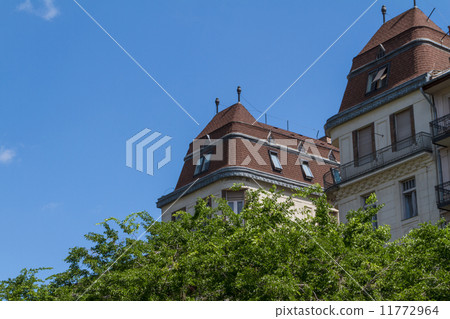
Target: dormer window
269 137
202 164
307 170
331 156
300 147
276 165
377 79
381 51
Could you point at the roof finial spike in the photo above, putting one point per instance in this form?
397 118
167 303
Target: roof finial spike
217 105
383 11
239 90
415 6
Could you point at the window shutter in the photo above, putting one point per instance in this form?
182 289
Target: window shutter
372 134
235 196
365 139
355 145
411 118
393 136
402 125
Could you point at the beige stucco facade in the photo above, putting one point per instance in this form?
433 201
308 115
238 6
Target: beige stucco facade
187 203
386 181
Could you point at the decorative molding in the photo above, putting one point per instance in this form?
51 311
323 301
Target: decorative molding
392 54
227 172
376 102
375 179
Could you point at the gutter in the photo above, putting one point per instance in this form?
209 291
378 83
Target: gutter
435 147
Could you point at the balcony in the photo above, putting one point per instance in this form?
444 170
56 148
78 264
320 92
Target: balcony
384 157
443 196
440 129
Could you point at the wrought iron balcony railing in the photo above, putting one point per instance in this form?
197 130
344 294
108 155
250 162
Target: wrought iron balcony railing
421 142
443 195
440 128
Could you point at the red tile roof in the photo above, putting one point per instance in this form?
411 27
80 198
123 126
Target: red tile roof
237 120
234 113
412 18
416 48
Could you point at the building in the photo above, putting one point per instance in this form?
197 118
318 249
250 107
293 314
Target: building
383 125
438 90
235 148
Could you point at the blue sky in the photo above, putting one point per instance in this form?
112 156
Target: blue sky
70 98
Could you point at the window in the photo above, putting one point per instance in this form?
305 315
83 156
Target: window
202 164
306 170
365 206
276 165
409 199
300 148
208 201
381 51
377 79
364 145
402 129
269 137
174 217
235 200
331 156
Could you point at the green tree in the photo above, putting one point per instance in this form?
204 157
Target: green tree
264 253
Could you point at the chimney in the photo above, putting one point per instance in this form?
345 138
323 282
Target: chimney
217 105
383 11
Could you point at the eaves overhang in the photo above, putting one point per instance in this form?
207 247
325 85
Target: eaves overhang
227 172
375 102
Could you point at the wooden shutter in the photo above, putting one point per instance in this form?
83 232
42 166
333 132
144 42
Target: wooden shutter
355 145
402 123
393 136
372 127
365 141
235 195
411 117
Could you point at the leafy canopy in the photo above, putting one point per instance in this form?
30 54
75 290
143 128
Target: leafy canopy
264 253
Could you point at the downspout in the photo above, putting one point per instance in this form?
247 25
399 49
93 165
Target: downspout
435 148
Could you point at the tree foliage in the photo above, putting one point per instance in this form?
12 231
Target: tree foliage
264 253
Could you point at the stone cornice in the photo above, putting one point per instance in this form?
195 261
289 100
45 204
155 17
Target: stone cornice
390 55
227 172
375 102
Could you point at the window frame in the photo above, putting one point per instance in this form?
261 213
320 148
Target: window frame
355 137
393 126
275 166
373 84
307 172
331 156
202 164
411 190
234 203
173 218
381 51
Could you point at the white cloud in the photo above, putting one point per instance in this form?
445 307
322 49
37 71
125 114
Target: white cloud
6 155
46 10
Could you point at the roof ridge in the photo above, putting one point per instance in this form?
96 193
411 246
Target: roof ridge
412 18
